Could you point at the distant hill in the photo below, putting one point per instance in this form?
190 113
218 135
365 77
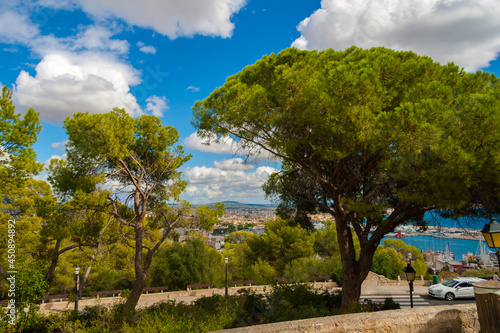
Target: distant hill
239 205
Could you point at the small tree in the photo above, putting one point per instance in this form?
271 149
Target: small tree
17 135
17 158
30 287
128 168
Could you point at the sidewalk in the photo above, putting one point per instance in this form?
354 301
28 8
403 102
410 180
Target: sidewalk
367 289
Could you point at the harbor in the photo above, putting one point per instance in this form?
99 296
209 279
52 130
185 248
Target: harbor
457 249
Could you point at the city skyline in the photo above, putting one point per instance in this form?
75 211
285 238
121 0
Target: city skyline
67 56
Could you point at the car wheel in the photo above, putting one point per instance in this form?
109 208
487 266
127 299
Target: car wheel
449 296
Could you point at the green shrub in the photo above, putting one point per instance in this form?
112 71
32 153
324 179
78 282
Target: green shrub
390 304
284 302
482 273
125 293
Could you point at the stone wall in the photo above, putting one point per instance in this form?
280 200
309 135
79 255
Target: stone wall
433 319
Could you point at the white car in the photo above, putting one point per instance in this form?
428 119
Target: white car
454 288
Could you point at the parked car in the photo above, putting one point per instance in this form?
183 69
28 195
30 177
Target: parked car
454 288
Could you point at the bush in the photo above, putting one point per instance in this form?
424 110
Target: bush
390 304
283 302
125 293
482 273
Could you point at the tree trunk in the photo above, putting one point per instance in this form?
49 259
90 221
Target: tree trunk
354 270
140 275
3 273
49 275
133 298
354 275
84 280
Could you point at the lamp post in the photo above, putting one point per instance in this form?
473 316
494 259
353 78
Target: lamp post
226 260
491 234
410 277
77 273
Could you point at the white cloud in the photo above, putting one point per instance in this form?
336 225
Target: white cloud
84 72
172 18
89 71
233 164
156 105
462 31
146 48
207 185
193 88
16 27
99 38
67 82
226 145
59 144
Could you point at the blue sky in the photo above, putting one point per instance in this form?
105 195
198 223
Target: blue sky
159 57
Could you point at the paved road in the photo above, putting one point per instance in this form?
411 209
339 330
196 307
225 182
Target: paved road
418 300
403 300
437 301
400 294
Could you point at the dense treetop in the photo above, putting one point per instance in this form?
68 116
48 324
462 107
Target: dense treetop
374 137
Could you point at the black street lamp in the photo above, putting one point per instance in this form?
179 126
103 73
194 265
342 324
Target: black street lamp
410 277
77 273
226 260
491 234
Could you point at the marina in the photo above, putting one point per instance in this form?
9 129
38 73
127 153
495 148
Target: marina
460 248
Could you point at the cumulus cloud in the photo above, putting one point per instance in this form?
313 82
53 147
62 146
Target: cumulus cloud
89 71
16 27
97 38
233 164
462 31
146 48
156 105
82 72
227 145
172 18
67 82
211 184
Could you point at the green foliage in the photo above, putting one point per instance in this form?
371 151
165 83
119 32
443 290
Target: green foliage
280 244
19 204
263 273
390 304
236 237
17 135
417 258
481 273
388 262
253 263
362 131
179 264
289 301
284 302
141 159
306 269
30 285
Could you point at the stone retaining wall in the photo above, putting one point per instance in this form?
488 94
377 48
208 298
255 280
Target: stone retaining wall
433 319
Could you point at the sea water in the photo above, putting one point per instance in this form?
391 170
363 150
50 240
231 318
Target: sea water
457 246
429 243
